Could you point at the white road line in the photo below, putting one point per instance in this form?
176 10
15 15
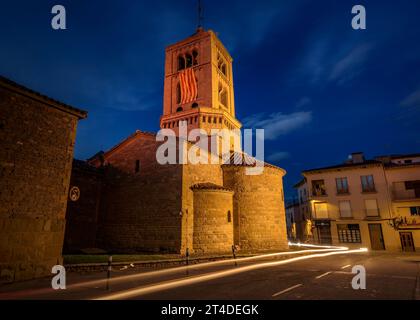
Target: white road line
287 290
346 266
323 275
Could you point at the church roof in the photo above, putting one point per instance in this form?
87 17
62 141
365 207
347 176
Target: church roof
245 160
11 85
209 186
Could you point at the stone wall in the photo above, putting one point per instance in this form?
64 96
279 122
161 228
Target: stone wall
258 206
213 223
82 214
37 137
139 211
191 175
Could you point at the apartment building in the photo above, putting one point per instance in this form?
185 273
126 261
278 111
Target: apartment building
363 203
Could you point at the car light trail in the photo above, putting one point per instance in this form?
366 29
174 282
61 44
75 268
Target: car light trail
126 294
196 267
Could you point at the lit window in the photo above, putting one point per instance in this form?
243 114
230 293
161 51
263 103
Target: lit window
318 188
321 210
349 233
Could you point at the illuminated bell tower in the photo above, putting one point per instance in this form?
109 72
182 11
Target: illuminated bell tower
198 85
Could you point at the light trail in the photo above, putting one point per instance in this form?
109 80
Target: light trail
298 244
168 271
215 275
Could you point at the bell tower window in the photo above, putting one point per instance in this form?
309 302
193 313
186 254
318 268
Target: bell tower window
195 55
178 93
181 63
188 60
223 98
221 65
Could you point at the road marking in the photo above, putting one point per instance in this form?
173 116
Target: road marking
323 275
287 290
346 266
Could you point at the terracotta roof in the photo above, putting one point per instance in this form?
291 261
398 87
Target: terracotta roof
346 165
245 160
11 85
208 186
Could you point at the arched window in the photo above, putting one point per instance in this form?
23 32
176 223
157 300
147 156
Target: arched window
188 60
224 69
221 64
195 56
178 93
194 105
229 217
179 109
223 99
181 63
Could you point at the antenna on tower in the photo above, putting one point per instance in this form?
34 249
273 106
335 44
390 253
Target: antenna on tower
200 15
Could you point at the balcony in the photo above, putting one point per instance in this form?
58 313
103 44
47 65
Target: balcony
404 195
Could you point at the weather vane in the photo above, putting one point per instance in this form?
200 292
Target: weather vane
200 15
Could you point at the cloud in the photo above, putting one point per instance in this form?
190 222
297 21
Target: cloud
303 102
277 156
277 124
412 100
350 65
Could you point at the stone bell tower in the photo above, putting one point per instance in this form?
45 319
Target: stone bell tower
198 86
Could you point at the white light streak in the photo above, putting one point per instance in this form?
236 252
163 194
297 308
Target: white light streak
168 271
214 275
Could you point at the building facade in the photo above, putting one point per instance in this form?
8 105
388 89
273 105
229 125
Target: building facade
365 203
201 208
37 136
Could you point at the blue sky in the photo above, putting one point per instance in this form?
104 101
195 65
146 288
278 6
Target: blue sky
320 89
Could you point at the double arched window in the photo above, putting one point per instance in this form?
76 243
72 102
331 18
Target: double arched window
187 60
221 64
223 97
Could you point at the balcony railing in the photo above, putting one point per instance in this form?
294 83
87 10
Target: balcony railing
405 194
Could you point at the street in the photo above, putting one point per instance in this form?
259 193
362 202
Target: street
324 275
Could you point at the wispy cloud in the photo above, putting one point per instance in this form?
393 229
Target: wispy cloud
350 65
277 156
302 102
323 63
412 100
277 124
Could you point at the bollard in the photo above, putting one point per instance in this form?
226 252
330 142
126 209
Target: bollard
234 255
109 272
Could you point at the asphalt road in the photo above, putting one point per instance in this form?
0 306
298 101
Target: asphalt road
388 276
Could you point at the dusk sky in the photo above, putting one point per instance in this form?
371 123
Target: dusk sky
320 89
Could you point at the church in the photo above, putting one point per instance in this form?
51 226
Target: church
124 200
